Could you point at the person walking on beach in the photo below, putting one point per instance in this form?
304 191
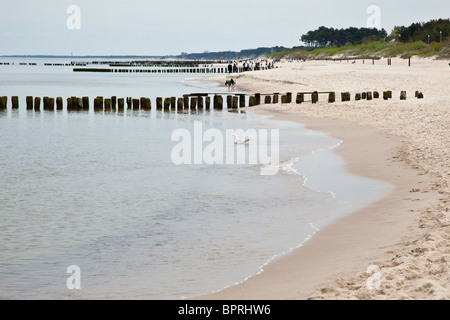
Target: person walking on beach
230 68
230 83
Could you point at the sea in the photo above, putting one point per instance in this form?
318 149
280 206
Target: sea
94 205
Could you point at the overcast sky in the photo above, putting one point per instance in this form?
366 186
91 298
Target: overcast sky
169 27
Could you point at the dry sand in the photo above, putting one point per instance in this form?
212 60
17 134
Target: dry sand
406 235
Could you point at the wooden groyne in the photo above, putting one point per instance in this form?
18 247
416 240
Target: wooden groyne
191 102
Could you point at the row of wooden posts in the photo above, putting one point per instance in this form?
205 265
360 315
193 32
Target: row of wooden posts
188 101
162 70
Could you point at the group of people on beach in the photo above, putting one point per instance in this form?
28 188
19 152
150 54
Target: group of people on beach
249 65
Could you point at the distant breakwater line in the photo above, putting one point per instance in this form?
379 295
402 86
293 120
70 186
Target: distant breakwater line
192 101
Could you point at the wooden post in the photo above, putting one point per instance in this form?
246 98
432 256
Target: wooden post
389 93
120 104
229 101
369 95
242 101
29 100
113 102
135 104
15 102
59 103
288 97
283 98
363 95
218 102
129 102
403 95
258 98
159 103
173 103
331 97
207 102
193 103
345 96
385 95
98 104
37 104
186 101
3 103
146 104
180 104
300 98
45 103
107 104
235 102
376 94
267 99
275 97
419 95
86 103
314 97
200 102
252 101
358 96
167 104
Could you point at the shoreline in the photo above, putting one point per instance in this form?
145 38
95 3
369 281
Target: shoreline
388 234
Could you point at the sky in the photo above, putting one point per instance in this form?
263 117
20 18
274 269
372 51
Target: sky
169 27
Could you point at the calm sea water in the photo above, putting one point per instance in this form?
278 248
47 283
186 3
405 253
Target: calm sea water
100 191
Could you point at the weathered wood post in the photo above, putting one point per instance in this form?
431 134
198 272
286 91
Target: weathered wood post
314 97
258 98
193 103
146 103
15 102
135 103
120 104
389 93
283 98
363 95
376 95
159 103
166 104
403 95
235 101
186 101
218 102
129 103
107 104
59 103
300 98
288 97
45 103
200 102
173 103
331 97
37 104
207 102
267 99
79 102
229 101
98 104
252 101
113 102
29 100
369 95
345 96
3 103
180 104
358 96
241 98
275 97
86 103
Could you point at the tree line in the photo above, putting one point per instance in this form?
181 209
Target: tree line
324 36
434 30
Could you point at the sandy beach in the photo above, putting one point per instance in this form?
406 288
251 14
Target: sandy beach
398 247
